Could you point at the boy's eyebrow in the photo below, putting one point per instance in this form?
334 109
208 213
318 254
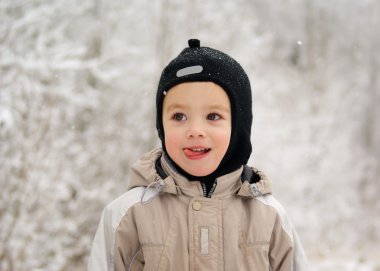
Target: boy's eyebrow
219 107
174 106
209 107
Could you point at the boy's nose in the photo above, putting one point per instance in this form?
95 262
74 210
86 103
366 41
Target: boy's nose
194 133
195 130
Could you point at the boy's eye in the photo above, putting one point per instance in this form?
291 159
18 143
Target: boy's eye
213 116
179 117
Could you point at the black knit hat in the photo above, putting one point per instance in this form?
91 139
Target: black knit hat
201 64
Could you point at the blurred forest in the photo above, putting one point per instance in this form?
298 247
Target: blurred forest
77 97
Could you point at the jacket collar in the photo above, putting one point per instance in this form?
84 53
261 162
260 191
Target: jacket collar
226 185
144 174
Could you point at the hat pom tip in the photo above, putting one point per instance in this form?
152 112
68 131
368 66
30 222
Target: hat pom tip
194 43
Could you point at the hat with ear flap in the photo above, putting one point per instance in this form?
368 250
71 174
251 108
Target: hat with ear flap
203 64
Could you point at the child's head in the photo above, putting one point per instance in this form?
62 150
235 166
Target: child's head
204 112
197 124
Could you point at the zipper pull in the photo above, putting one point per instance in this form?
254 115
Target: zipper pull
212 189
204 190
205 194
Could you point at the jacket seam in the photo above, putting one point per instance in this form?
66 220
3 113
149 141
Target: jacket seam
123 213
165 246
133 258
281 213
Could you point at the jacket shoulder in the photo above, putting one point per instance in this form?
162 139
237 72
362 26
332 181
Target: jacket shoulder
118 208
298 259
271 201
102 251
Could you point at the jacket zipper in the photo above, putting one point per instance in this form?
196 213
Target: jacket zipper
208 195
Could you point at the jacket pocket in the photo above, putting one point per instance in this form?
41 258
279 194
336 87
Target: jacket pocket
254 255
137 263
152 256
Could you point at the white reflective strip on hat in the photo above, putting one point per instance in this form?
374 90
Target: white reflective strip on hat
189 70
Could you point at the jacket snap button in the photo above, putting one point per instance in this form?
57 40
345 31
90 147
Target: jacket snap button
197 205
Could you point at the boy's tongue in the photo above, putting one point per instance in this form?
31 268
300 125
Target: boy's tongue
195 153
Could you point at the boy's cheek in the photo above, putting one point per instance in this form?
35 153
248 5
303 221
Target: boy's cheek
172 139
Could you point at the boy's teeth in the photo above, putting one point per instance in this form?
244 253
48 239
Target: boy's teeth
199 149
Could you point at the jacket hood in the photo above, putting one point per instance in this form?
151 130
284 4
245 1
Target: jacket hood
144 173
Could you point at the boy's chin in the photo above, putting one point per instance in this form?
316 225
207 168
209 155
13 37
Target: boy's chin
200 172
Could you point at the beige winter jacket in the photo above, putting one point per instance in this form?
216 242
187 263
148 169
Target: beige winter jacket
169 225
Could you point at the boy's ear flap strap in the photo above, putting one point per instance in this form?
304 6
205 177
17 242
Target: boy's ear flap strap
159 169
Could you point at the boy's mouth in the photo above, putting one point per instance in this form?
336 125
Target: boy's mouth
196 152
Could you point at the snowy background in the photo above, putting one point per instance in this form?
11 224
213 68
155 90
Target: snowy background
77 86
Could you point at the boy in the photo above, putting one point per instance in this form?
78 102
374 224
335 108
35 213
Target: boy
195 204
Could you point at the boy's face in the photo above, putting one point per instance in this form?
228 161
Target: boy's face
197 125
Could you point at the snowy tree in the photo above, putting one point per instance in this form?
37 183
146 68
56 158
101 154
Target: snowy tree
77 91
